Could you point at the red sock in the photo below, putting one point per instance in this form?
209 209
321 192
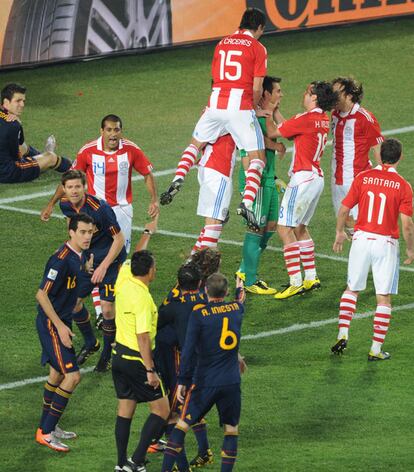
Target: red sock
347 307
197 245
307 257
96 301
211 235
382 320
253 177
291 253
187 161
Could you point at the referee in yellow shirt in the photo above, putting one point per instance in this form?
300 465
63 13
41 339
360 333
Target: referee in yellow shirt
133 369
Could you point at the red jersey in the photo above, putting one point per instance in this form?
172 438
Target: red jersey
381 195
237 60
354 134
108 174
220 156
309 131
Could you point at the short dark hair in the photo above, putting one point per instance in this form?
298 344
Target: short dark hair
252 18
73 174
142 262
268 82
79 218
391 150
10 89
189 276
208 261
350 87
112 119
216 285
326 97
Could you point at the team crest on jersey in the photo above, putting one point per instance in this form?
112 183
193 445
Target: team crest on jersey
52 274
123 168
263 220
348 132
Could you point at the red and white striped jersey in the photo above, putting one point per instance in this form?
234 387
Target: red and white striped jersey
309 131
237 60
354 134
220 156
108 174
381 195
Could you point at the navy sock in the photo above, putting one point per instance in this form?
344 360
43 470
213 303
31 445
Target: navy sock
122 430
63 164
48 392
229 452
82 320
172 450
59 401
108 331
200 431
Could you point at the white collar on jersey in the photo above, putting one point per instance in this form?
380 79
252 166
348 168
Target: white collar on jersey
99 144
352 111
246 32
387 168
71 248
316 110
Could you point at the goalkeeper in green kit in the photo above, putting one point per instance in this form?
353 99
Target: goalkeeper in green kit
266 205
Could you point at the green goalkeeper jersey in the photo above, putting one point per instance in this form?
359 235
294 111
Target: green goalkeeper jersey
269 172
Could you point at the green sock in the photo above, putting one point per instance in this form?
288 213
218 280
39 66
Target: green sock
265 240
251 254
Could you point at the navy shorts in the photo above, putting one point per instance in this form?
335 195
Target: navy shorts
23 170
54 352
130 377
106 287
200 400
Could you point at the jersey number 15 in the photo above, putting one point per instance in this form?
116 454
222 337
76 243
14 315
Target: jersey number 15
228 60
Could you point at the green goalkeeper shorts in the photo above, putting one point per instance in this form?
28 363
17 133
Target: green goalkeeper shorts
266 205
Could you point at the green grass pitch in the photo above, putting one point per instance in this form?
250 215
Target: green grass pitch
303 410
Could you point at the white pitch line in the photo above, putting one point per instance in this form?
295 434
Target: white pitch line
22 198
178 234
248 337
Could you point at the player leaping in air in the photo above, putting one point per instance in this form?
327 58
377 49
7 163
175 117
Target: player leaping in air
238 68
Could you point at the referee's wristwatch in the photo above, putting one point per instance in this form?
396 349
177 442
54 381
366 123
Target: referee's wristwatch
152 370
148 231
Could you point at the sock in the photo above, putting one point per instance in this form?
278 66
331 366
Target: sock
291 253
382 320
96 301
31 152
347 307
253 177
169 429
122 429
59 401
307 257
173 448
211 235
63 164
82 320
229 452
108 331
197 245
251 254
48 393
200 432
187 161
265 239
151 429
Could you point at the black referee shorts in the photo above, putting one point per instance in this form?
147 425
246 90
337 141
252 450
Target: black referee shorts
130 377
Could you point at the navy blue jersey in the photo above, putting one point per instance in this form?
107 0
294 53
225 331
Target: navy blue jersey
176 311
60 281
11 135
106 226
213 333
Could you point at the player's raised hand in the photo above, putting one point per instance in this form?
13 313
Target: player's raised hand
89 265
181 393
153 209
65 335
341 237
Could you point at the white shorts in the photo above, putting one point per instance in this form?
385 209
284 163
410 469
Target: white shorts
339 192
215 194
376 252
124 215
300 199
241 124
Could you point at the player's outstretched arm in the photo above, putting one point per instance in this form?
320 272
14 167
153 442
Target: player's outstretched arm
408 235
153 208
47 211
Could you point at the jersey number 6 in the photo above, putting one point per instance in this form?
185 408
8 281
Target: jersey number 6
226 336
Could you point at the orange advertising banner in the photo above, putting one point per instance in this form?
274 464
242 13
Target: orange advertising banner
44 31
